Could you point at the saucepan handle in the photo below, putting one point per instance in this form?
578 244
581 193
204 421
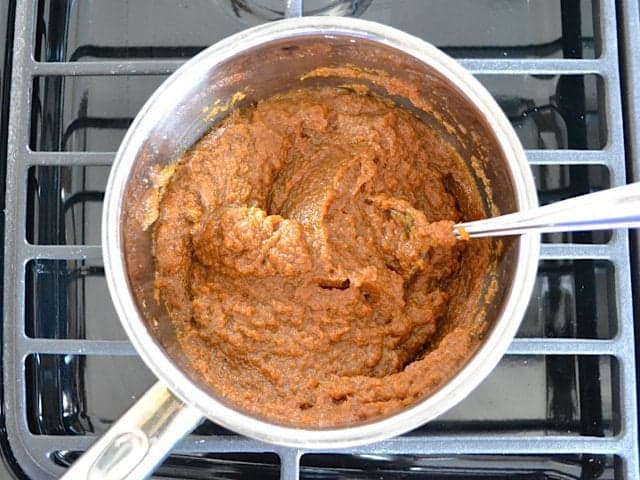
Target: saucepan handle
139 440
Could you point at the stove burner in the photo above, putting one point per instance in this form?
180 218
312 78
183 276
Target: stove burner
253 12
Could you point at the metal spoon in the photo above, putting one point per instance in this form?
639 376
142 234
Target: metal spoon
613 208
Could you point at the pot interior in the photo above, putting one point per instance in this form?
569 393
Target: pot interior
213 85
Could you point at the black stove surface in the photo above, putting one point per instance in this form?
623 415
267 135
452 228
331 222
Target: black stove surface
561 404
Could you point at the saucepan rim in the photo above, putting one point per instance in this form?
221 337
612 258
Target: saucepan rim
476 369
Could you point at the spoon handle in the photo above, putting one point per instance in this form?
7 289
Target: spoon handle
617 207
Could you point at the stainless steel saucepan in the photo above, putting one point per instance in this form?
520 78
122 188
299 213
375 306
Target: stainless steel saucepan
246 67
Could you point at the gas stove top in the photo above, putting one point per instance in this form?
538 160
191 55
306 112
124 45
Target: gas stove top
561 404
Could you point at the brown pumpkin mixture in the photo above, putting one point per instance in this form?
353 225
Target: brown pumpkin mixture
304 252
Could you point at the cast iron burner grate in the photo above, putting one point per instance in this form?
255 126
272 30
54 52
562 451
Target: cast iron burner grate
561 404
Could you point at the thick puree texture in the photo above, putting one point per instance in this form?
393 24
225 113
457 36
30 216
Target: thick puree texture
304 252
